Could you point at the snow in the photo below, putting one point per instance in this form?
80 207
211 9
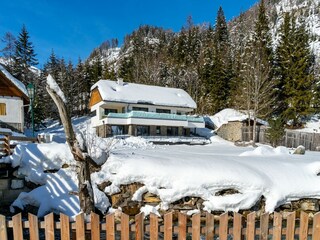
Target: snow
143 94
15 81
231 115
111 55
54 86
171 172
266 151
6 131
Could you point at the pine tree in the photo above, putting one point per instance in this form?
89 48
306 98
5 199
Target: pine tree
222 68
8 51
24 57
50 67
294 72
206 66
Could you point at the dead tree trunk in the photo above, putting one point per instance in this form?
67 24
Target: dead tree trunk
83 160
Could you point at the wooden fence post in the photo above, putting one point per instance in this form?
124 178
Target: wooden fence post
110 229
125 231
49 226
237 226
291 218
182 223
154 227
3 228
139 226
80 227
277 226
304 223
223 226
251 230
209 226
64 227
316 227
264 226
33 227
196 228
168 226
17 227
95 226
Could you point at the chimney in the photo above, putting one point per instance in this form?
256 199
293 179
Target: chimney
120 81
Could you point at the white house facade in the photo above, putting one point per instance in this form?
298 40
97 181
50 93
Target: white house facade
120 108
13 97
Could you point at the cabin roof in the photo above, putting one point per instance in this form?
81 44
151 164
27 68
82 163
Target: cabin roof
115 91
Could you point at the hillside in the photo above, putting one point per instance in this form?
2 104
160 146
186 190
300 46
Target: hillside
304 11
307 12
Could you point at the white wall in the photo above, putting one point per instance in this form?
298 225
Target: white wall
14 109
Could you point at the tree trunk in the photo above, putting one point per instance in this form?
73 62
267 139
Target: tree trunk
254 131
83 160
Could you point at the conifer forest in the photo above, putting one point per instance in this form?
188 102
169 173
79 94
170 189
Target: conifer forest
246 64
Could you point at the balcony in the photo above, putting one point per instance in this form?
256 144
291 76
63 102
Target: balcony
151 118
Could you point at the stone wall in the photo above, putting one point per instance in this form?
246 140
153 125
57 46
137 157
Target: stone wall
11 185
231 131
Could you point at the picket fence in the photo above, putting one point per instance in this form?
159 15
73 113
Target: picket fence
174 225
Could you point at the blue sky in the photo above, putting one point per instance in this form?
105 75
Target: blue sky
73 28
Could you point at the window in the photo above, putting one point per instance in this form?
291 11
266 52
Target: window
93 113
3 109
159 110
172 131
118 130
143 130
109 110
158 130
140 109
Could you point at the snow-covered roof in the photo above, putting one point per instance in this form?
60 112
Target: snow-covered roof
15 81
231 115
143 94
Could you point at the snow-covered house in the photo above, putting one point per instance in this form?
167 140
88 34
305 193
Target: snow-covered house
13 96
141 110
233 125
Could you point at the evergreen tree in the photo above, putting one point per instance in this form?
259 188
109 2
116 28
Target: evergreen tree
50 67
9 49
81 91
294 71
206 66
221 72
276 131
24 57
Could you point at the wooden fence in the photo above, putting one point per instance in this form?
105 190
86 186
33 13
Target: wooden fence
8 143
173 225
291 139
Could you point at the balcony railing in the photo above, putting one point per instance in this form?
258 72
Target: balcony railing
159 116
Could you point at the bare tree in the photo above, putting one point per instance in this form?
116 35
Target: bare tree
257 91
79 151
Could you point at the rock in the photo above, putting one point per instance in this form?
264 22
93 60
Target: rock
18 175
300 150
151 198
310 205
225 192
17 183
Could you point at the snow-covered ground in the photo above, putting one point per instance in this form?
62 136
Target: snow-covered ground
172 172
